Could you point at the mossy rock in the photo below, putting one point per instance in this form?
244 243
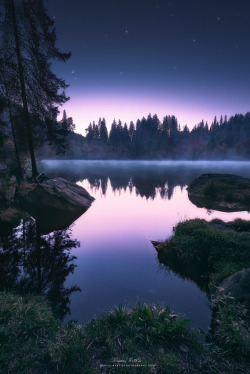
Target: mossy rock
223 192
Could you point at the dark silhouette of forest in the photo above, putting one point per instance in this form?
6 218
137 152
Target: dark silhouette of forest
30 92
150 138
30 95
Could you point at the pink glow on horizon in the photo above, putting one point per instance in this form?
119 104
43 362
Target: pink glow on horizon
88 108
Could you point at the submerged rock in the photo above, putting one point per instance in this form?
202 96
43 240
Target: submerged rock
223 192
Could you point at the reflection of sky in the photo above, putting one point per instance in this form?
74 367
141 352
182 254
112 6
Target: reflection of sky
122 211
116 260
117 263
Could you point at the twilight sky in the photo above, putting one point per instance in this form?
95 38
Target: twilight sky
188 58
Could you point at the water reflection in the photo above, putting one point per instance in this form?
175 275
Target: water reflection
34 263
147 178
135 202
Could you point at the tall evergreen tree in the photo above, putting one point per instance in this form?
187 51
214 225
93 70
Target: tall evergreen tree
28 45
113 134
131 130
89 133
103 132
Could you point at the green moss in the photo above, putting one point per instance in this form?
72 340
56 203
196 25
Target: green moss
32 340
219 249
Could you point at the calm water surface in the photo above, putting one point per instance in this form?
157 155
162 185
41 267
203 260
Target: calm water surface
135 202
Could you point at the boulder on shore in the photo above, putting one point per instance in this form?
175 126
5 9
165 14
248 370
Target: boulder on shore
54 203
223 192
237 285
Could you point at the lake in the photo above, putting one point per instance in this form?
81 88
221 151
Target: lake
115 262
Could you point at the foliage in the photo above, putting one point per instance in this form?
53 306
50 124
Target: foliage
140 340
151 138
32 92
231 326
218 248
32 340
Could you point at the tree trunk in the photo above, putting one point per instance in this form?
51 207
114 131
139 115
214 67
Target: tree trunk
19 167
23 92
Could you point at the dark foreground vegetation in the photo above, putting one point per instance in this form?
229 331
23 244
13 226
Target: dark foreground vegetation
142 340
213 254
145 339
210 251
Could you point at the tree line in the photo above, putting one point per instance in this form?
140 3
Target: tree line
150 138
31 94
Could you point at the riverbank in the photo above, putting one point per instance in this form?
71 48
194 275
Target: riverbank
216 256
145 339
142 340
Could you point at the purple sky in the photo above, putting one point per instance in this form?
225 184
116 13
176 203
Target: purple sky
135 57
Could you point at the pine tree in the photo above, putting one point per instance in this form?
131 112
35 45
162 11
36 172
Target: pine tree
28 45
113 134
103 132
131 130
89 133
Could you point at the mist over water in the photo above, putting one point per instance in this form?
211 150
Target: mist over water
135 201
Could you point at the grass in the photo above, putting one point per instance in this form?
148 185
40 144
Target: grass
33 341
231 327
216 248
145 339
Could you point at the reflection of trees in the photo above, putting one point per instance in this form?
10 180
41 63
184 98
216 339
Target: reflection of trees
35 263
197 276
145 179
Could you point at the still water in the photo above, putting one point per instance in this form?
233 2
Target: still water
136 201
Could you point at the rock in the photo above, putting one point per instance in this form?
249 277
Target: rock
56 193
54 203
237 285
223 192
